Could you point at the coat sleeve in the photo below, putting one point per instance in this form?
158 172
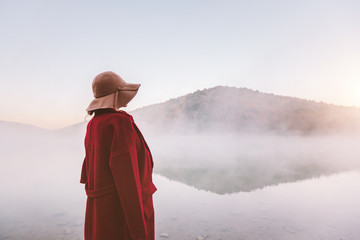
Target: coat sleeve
125 171
83 178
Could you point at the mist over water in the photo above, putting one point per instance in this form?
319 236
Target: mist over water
42 198
233 163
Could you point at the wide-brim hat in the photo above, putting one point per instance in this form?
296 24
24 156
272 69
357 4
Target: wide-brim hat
111 91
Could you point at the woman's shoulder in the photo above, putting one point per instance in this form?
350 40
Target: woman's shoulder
119 119
122 112
113 117
123 115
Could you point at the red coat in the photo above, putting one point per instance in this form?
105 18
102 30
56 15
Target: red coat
117 173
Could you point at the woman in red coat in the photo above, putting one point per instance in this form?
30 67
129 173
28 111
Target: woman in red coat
117 169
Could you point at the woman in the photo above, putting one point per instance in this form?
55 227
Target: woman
117 169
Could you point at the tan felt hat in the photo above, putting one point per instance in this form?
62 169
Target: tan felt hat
111 91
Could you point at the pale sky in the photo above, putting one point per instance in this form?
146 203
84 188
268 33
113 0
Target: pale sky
51 50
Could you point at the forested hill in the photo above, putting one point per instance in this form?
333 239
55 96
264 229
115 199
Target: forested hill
241 110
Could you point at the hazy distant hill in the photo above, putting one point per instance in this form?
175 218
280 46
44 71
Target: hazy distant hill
230 109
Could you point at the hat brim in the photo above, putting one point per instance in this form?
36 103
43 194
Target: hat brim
125 94
130 87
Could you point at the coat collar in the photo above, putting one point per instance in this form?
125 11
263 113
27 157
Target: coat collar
105 110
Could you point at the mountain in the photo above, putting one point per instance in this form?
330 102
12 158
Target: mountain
238 110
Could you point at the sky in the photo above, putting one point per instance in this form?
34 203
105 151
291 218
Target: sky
50 51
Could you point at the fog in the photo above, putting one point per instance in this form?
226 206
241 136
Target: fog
39 181
258 186
227 163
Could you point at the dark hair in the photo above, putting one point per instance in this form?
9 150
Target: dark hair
98 110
